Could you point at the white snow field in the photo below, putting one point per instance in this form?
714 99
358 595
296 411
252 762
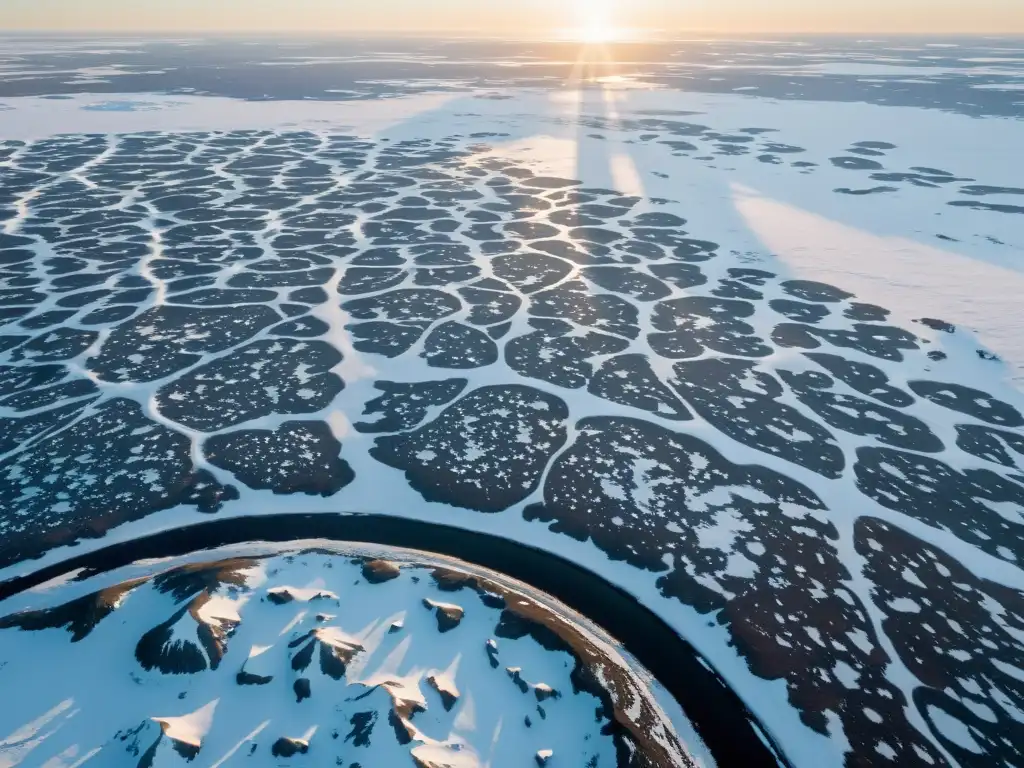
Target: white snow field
755 360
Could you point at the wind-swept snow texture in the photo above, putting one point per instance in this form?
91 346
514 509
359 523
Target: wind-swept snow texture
320 657
754 360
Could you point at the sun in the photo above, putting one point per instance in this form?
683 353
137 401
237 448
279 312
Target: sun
595 21
597 33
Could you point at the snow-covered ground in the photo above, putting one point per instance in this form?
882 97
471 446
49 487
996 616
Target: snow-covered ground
757 361
324 656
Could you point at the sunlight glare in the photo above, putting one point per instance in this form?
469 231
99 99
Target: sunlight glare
595 23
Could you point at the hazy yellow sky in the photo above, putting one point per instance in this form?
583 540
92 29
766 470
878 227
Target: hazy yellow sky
518 17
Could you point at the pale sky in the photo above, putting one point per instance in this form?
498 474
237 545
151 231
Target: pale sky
517 17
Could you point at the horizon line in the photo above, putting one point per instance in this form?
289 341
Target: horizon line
656 34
